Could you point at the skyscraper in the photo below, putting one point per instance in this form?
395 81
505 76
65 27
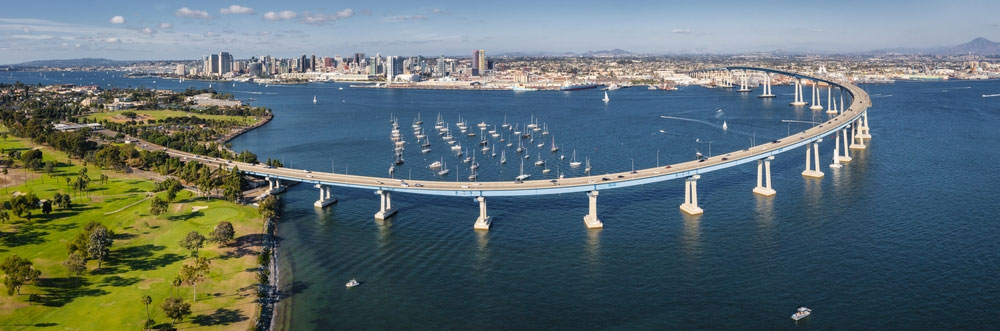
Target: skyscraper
482 62
225 63
475 62
213 61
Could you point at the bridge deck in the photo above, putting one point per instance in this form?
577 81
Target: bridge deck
859 105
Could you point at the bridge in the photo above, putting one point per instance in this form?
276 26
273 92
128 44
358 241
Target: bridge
850 123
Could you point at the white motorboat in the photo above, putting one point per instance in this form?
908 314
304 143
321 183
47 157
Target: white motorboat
435 165
352 283
802 312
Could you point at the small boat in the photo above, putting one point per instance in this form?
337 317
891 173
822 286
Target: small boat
503 156
314 98
340 88
522 176
725 126
435 165
554 147
444 170
606 99
540 162
352 283
802 312
482 125
573 162
587 169
418 121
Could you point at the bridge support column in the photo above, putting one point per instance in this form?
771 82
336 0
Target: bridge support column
484 221
798 94
812 171
816 105
764 170
690 205
847 151
324 197
385 206
863 131
857 141
767 87
274 186
591 218
831 103
836 150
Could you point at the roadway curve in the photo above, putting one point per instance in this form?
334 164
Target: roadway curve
860 103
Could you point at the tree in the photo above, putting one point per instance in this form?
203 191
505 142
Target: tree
4 216
268 207
46 207
146 300
19 272
22 204
223 233
194 273
233 185
158 206
192 242
99 245
76 264
176 308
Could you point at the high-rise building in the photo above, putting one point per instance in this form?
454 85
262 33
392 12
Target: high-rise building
475 62
180 70
303 63
481 64
393 67
225 63
213 66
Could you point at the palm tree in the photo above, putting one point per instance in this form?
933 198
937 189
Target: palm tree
146 300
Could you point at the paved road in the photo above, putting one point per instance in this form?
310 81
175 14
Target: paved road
860 104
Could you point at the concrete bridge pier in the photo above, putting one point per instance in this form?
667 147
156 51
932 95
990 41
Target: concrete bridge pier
690 205
591 218
857 142
484 221
813 171
744 85
831 103
325 198
864 131
385 206
816 104
274 186
764 184
798 94
767 87
847 151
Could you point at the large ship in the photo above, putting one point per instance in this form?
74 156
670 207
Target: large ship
574 87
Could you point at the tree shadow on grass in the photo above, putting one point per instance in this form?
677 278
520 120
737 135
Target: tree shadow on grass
186 216
24 236
221 316
124 236
119 281
60 291
142 257
243 245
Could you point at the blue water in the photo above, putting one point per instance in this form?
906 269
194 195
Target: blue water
903 237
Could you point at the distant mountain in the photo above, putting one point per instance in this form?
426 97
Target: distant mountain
978 46
86 62
611 53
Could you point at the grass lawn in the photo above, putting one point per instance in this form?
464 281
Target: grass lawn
115 116
144 258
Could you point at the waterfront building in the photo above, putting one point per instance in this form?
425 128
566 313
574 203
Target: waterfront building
180 70
225 63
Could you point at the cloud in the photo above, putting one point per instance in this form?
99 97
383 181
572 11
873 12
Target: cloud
117 20
166 25
681 31
33 36
147 31
316 18
112 40
185 12
280 16
437 11
211 34
817 30
237 9
405 18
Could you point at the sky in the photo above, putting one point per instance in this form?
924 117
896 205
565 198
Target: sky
178 30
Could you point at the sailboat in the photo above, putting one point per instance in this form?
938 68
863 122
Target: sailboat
418 121
573 162
493 150
503 156
606 99
444 170
520 146
554 147
540 162
587 169
724 126
314 98
522 176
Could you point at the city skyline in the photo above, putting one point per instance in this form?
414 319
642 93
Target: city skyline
186 30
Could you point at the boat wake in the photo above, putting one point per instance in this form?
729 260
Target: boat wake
991 95
690 120
881 95
250 92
